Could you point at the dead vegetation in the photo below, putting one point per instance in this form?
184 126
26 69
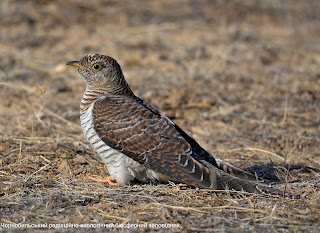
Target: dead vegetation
242 78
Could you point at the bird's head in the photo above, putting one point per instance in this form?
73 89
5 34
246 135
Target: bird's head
102 72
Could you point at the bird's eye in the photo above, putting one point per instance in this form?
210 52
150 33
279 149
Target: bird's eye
96 67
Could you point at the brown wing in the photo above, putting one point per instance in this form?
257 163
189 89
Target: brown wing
139 131
201 154
146 137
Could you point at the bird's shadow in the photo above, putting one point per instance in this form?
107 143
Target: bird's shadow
276 173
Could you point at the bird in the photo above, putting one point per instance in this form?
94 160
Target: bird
137 142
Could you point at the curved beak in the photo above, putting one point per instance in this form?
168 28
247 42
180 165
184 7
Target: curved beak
76 64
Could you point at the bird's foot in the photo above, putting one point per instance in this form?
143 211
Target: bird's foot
104 179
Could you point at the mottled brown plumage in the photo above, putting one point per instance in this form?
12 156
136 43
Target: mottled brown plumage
137 142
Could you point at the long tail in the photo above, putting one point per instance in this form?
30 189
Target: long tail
235 171
230 182
228 177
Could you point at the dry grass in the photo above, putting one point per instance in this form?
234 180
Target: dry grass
242 78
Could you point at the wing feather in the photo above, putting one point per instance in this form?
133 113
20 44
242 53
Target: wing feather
150 139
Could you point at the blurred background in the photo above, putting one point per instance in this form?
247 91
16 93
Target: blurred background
233 68
242 77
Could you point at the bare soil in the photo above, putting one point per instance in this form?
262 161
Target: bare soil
242 77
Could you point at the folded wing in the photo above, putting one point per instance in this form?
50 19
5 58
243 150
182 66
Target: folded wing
154 140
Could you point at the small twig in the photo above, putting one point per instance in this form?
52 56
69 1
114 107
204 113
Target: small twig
15 150
257 149
111 216
285 113
37 171
62 119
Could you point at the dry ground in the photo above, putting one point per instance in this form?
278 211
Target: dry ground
242 77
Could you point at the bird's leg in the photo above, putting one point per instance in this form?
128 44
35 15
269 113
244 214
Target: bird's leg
104 179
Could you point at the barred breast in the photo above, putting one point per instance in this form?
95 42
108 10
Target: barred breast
121 168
